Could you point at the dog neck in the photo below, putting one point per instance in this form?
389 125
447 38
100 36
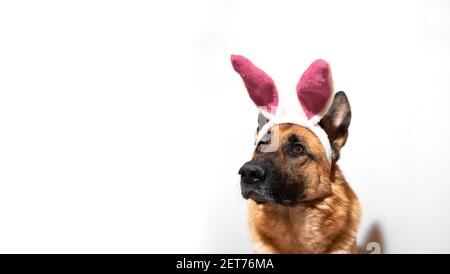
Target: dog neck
318 226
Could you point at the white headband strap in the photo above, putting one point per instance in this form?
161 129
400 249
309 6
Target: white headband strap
316 129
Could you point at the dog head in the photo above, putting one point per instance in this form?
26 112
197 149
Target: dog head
290 163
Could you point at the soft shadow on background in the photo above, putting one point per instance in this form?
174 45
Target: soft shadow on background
373 242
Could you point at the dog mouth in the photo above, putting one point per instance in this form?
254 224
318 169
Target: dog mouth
258 198
262 198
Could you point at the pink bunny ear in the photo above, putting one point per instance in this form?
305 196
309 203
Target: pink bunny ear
260 86
315 88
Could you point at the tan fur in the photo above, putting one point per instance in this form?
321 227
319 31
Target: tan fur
327 222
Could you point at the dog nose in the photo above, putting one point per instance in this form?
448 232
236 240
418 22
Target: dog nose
251 173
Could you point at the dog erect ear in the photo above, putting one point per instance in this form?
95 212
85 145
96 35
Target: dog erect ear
336 122
315 88
260 86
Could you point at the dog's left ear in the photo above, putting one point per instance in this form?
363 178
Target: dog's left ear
336 123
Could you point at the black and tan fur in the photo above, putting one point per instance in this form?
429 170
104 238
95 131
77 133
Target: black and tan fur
299 203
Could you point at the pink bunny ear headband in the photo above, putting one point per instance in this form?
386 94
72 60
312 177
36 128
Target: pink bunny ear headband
314 97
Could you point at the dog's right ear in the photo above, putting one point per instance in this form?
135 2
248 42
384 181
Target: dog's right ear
260 86
336 123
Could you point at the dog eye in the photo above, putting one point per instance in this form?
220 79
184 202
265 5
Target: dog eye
297 148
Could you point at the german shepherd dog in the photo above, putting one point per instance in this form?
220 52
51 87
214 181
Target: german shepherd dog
299 201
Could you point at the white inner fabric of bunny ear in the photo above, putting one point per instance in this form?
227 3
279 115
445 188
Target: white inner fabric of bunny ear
265 113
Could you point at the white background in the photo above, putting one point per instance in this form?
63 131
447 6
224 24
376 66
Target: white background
123 125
